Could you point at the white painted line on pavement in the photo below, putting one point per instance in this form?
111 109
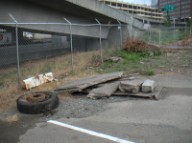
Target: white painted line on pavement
90 132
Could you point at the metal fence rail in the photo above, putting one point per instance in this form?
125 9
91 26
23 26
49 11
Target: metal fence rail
21 46
24 46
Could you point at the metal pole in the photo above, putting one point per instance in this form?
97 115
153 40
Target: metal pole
71 42
121 39
190 25
185 29
132 34
174 22
17 48
159 37
101 48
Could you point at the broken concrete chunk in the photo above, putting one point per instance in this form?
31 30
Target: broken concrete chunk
104 91
37 80
132 86
148 86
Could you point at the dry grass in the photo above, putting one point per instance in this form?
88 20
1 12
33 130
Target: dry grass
84 65
60 66
8 96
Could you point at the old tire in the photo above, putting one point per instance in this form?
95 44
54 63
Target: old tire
27 107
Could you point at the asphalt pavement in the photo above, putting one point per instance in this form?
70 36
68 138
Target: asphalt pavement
168 120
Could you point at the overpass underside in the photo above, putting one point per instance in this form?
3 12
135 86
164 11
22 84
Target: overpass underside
47 16
36 18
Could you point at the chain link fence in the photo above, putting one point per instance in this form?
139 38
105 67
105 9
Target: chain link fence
27 52
163 35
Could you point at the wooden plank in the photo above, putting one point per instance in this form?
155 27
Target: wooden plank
79 85
140 94
104 91
155 95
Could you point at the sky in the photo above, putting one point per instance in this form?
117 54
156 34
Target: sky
148 2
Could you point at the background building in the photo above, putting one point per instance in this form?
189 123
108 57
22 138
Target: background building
183 8
141 2
137 10
154 3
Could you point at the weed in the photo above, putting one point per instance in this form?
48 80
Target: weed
130 61
48 67
148 72
96 59
84 65
129 56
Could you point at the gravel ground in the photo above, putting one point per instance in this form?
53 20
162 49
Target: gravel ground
77 106
177 77
81 106
14 124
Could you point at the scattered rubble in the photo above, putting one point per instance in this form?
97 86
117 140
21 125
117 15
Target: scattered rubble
139 46
113 84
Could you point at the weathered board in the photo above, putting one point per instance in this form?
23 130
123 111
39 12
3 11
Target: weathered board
155 95
79 85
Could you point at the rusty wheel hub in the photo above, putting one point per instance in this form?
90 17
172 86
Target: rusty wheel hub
37 97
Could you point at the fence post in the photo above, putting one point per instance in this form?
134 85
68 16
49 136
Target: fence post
159 37
185 29
17 49
100 42
120 30
132 34
71 42
174 22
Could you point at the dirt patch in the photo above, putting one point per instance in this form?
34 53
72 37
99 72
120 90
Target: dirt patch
185 42
173 62
60 66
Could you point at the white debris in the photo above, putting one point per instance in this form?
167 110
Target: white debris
38 80
148 86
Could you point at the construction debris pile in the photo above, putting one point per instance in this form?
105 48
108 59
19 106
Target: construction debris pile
139 46
113 84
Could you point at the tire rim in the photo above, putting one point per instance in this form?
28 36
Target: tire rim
37 97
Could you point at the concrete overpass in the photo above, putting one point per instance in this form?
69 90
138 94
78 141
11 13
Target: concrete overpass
47 16
76 11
